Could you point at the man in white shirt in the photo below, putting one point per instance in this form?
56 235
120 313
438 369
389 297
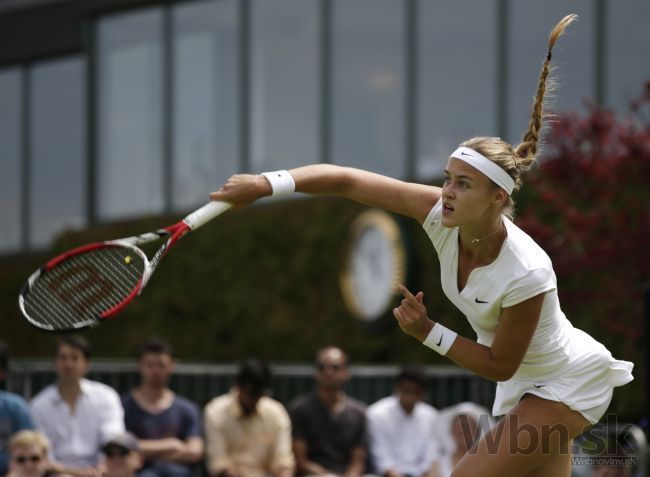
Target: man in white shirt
77 415
402 429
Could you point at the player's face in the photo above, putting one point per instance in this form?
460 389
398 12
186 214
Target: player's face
466 194
155 369
70 363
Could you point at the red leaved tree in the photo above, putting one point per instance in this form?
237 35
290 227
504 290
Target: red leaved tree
588 206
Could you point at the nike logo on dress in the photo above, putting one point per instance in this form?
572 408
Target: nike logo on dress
479 301
539 385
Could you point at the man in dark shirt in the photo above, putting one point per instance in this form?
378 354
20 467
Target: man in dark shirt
167 425
329 427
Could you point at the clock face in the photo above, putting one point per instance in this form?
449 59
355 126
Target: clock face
374 265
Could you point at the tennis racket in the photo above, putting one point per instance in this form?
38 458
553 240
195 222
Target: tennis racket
82 287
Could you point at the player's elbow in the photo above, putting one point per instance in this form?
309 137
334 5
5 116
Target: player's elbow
503 374
504 370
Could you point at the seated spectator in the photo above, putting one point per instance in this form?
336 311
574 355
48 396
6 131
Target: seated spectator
461 426
14 413
167 425
611 469
248 434
403 439
78 416
122 456
620 456
329 427
28 454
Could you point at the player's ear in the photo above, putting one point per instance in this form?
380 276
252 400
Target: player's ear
499 196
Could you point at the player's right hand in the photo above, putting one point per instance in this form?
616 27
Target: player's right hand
242 189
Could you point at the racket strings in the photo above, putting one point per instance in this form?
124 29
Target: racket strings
75 292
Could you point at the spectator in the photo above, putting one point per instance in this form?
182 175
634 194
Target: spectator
14 412
77 415
619 457
461 427
611 469
329 427
168 426
403 440
28 454
123 456
247 433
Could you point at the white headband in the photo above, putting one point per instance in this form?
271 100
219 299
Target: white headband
486 166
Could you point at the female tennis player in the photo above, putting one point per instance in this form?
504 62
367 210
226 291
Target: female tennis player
553 380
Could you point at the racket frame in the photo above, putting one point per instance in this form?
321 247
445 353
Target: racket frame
172 233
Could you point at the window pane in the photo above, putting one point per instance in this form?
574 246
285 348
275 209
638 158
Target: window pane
368 97
627 51
284 84
58 151
530 24
456 79
10 159
129 126
205 99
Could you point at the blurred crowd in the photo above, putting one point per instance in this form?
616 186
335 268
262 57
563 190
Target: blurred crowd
82 428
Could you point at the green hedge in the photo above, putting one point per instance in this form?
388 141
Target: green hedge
257 281
262 280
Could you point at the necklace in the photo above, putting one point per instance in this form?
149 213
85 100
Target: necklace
476 240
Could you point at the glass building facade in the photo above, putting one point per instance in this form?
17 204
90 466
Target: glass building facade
164 102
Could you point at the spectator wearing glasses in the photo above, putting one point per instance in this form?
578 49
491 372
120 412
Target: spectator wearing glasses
248 434
28 454
329 427
123 456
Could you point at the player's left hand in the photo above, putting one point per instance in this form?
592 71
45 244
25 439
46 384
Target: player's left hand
411 314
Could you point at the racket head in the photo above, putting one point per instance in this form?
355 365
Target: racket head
83 286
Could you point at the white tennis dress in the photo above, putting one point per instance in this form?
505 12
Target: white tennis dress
562 363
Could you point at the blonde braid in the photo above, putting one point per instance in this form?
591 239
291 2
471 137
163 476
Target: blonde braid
527 150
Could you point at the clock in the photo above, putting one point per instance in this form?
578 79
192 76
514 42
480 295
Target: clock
373 266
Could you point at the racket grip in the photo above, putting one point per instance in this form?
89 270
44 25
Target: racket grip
206 213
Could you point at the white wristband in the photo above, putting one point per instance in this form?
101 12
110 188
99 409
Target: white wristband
440 339
281 182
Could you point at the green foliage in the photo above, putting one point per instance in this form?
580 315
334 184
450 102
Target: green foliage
262 280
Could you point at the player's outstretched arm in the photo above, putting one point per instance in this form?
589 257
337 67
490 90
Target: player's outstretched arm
406 198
